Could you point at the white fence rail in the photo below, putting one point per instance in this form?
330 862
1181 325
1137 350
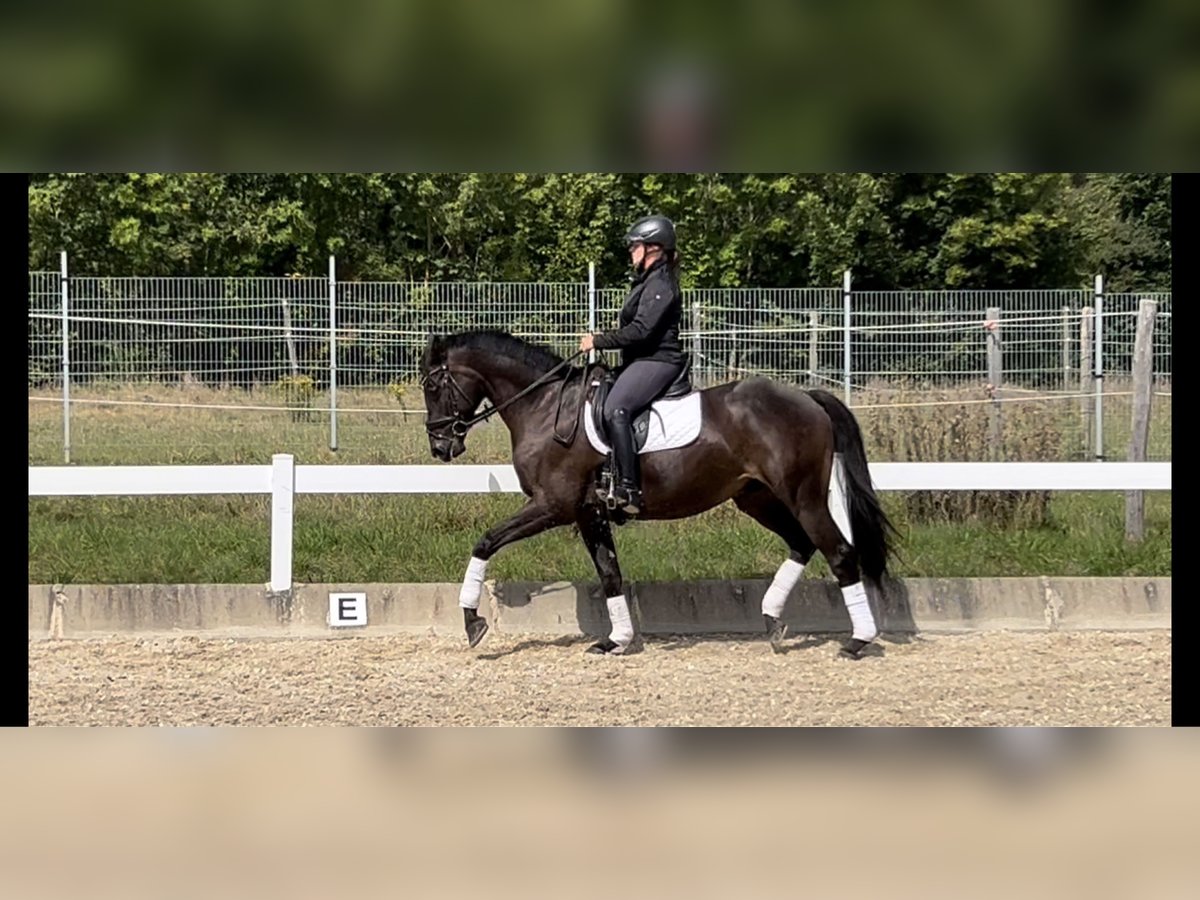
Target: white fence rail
283 479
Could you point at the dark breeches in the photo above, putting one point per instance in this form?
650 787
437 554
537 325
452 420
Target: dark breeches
639 384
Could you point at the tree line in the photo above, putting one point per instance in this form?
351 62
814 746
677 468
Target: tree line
894 231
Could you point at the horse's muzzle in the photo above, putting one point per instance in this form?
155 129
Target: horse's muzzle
446 449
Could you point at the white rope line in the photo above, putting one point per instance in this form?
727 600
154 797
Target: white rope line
407 412
990 400
717 365
344 332
1049 320
227 406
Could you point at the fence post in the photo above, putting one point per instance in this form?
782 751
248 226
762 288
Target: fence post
66 363
995 369
591 306
1139 438
1099 360
287 336
333 442
1086 321
846 331
1066 347
283 489
814 323
696 334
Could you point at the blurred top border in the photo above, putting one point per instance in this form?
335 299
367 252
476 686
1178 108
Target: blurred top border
592 86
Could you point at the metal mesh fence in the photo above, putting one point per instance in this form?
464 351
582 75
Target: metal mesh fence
45 330
383 326
234 369
790 333
238 332
940 338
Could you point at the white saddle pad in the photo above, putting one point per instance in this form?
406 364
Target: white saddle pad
673 423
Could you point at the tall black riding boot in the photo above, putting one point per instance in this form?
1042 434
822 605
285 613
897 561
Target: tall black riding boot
628 488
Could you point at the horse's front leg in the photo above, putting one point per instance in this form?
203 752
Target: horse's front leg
596 532
533 518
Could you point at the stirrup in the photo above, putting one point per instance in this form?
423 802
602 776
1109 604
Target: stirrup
630 500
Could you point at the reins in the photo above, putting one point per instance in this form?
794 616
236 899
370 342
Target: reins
460 426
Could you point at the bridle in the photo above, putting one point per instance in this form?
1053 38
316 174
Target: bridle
459 426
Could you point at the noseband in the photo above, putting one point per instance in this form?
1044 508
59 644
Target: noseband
458 425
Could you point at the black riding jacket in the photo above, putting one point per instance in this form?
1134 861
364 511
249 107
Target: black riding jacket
649 320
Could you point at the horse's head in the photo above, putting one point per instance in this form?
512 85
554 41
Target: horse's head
450 400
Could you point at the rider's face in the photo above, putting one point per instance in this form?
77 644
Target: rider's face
637 253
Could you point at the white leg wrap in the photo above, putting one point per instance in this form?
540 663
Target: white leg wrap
468 597
860 612
785 579
622 625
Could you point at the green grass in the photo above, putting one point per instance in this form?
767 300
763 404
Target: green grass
416 538
412 538
199 425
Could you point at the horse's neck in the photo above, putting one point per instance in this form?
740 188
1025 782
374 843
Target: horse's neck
503 378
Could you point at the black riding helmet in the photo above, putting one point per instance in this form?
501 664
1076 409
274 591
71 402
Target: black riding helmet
652 230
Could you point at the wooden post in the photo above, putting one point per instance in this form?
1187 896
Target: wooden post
1085 378
814 323
1066 347
287 335
995 370
1139 438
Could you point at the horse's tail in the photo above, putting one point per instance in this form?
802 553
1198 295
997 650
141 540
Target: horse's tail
874 534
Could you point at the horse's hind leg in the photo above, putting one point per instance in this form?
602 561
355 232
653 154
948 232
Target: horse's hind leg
596 532
757 501
812 509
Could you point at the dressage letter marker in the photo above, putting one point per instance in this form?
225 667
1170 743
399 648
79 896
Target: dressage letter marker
347 609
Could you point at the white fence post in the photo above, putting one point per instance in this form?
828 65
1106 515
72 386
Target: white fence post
591 306
1087 373
66 364
283 490
814 355
1098 304
846 329
333 443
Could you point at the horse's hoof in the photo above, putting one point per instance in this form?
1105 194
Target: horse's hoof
853 649
606 646
776 632
477 627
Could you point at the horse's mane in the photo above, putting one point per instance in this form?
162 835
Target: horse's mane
537 356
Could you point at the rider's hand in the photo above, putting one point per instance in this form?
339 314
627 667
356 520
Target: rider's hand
586 342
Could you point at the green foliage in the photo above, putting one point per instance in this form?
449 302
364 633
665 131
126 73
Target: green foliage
1124 222
895 231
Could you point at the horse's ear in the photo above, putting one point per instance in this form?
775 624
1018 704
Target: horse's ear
434 344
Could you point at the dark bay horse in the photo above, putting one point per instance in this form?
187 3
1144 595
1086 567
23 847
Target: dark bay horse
773 449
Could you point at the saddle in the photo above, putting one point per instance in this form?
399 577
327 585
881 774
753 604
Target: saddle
680 387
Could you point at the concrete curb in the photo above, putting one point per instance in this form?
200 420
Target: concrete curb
907 606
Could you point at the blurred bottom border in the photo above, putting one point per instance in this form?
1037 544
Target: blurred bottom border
176 812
